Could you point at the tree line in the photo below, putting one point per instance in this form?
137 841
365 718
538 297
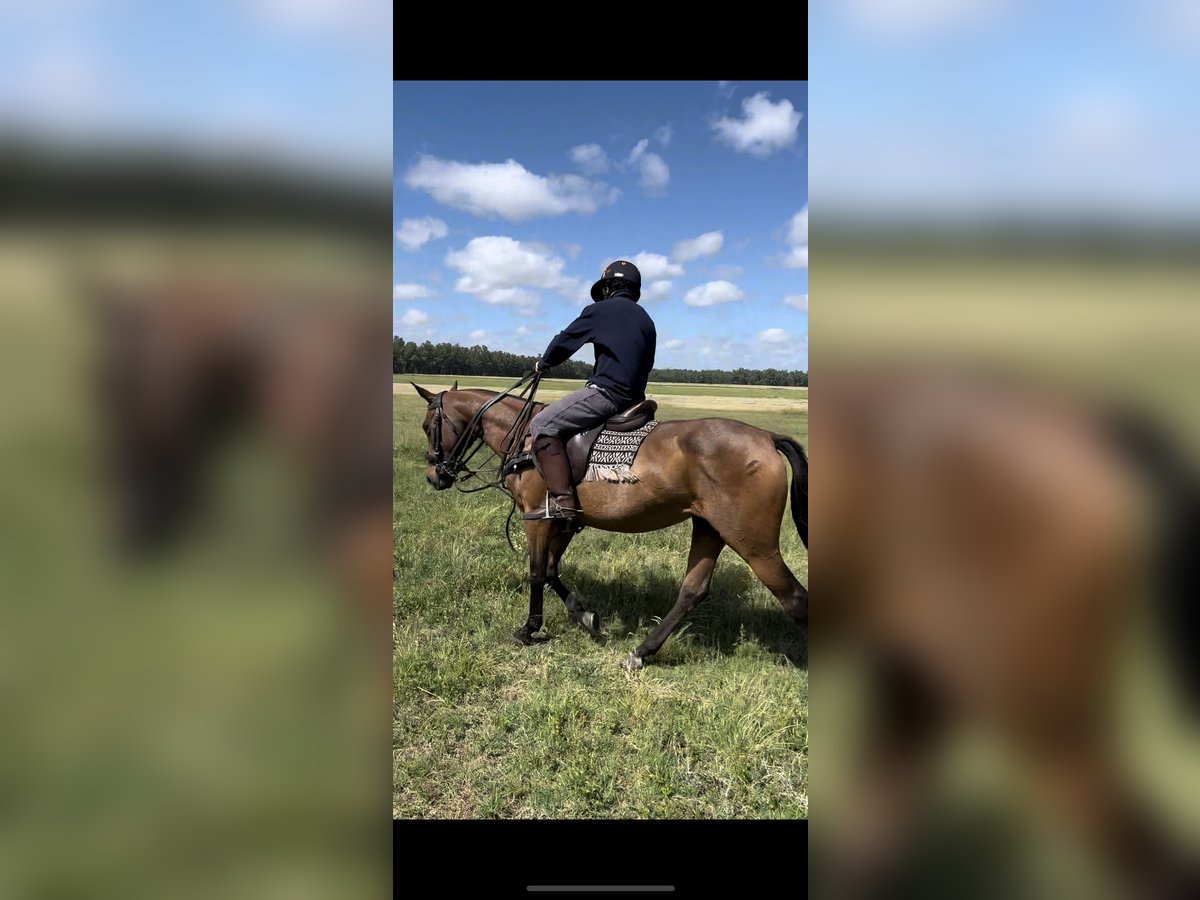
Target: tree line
409 357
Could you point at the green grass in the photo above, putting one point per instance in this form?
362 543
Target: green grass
654 388
714 727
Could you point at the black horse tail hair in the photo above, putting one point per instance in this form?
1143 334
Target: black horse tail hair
1176 564
795 455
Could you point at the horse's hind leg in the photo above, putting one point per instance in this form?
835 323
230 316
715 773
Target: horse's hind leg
559 540
706 547
749 515
758 544
774 573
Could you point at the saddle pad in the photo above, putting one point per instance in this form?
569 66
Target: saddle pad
613 454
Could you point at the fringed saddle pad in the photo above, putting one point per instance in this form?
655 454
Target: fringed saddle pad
613 454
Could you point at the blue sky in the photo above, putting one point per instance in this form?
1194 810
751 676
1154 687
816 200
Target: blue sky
980 108
510 197
307 83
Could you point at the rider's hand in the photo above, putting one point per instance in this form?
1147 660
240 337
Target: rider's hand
539 367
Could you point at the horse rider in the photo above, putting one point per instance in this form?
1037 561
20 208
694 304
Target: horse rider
623 336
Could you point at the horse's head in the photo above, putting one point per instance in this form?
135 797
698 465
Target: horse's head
441 433
171 377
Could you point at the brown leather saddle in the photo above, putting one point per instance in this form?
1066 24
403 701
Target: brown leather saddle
579 448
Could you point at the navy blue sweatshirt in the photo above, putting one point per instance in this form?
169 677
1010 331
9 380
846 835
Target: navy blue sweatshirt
623 336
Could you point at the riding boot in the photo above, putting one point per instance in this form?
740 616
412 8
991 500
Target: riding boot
550 457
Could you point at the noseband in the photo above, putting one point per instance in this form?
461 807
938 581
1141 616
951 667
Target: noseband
469 440
448 468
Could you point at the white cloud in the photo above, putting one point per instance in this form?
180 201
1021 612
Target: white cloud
61 81
522 331
673 344
572 250
506 189
414 233
365 20
781 345
917 18
663 135
576 290
414 318
798 227
503 271
410 292
797 258
800 301
712 293
650 166
1101 125
655 265
767 126
796 237
727 272
477 335
726 88
656 290
693 248
1174 22
591 159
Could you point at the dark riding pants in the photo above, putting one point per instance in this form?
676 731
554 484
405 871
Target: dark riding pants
574 413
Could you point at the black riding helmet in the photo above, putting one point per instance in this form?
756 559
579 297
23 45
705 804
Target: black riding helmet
620 273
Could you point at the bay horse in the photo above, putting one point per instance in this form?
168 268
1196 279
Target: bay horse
988 542
183 363
726 476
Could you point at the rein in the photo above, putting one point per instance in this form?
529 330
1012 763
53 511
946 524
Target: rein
470 440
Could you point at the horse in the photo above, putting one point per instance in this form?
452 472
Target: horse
182 363
728 477
986 543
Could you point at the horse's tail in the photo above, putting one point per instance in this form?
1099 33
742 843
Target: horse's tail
1176 563
795 455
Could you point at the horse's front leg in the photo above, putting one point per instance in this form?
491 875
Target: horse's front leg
559 539
537 536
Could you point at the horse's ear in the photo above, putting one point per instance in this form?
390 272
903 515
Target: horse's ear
454 387
427 396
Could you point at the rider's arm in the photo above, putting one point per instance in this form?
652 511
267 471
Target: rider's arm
570 339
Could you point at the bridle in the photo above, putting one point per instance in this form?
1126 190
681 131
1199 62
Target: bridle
469 441
448 468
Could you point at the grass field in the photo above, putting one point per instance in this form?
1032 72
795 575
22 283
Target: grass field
653 389
714 727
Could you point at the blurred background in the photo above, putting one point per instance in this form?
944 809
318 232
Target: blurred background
194 456
1005 220
194 221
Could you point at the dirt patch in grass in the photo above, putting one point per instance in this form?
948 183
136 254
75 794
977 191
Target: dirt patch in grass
734 404
685 401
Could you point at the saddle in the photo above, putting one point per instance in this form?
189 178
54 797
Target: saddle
579 447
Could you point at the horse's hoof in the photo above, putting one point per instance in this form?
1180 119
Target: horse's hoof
591 622
523 637
632 662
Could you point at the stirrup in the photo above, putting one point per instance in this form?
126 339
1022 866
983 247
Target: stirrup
550 509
